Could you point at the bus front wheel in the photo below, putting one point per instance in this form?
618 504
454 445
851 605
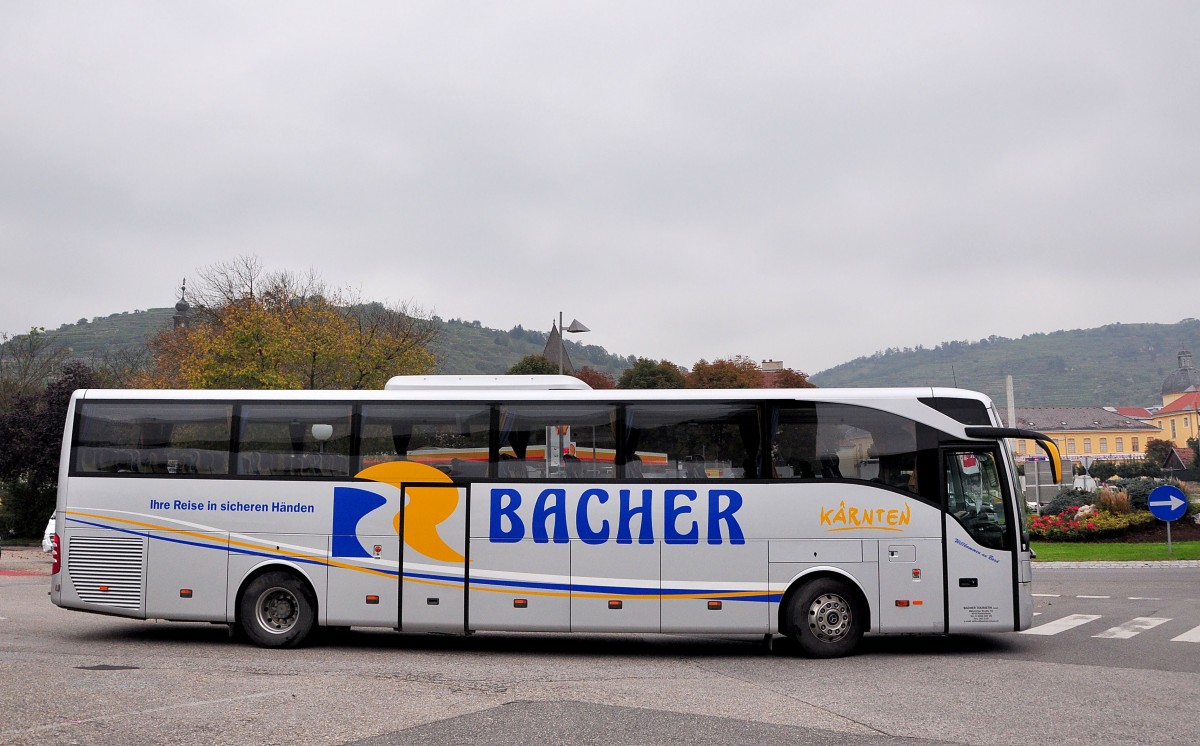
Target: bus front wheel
277 610
825 618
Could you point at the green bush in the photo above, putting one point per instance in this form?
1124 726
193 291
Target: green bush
1189 513
1067 498
1102 470
1142 467
24 509
1112 524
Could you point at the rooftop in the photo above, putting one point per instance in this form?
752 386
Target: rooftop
1077 418
1189 402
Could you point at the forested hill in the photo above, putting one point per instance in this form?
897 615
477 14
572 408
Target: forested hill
467 347
1116 365
462 347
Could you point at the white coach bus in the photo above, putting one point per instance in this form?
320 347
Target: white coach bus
468 504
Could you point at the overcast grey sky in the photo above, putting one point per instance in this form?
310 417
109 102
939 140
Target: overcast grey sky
801 181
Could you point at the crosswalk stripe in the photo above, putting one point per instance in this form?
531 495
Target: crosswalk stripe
1132 627
1192 635
1061 625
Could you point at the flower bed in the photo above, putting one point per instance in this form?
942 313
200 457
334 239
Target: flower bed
1067 526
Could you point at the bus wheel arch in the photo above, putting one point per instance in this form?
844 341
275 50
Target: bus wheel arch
826 613
276 606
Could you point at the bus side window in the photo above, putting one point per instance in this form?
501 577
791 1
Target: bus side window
153 437
822 440
793 446
692 440
538 440
452 438
295 439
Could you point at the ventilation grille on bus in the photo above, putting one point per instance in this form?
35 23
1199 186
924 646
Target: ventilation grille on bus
107 571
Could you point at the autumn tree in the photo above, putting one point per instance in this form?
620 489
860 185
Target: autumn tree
738 372
788 379
253 329
647 374
595 378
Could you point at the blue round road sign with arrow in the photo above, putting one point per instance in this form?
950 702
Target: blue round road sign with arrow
1167 503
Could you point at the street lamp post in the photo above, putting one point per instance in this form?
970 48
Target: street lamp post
574 328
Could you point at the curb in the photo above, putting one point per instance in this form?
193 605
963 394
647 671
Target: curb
1127 565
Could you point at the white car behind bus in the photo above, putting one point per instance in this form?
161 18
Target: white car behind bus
48 537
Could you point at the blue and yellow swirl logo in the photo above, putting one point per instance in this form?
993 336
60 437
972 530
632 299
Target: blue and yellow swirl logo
427 507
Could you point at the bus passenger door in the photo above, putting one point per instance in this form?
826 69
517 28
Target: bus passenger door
433 524
981 536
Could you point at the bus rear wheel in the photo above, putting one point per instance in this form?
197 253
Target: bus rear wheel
277 610
825 618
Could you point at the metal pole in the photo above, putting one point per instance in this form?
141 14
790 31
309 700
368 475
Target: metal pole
1037 482
560 344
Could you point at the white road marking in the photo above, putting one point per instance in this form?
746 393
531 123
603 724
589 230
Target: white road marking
1093 597
1046 595
1192 635
1062 625
1144 598
1132 627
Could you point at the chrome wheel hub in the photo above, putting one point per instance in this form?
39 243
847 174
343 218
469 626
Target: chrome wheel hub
277 610
829 617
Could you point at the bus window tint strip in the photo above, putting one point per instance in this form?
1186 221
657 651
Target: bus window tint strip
646 441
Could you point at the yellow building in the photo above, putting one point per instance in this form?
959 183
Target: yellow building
1181 403
1119 434
1101 433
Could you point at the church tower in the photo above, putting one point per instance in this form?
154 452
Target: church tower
181 308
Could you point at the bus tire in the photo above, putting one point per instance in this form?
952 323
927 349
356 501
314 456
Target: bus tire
825 618
277 610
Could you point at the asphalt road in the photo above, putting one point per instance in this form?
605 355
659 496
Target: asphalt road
67 677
